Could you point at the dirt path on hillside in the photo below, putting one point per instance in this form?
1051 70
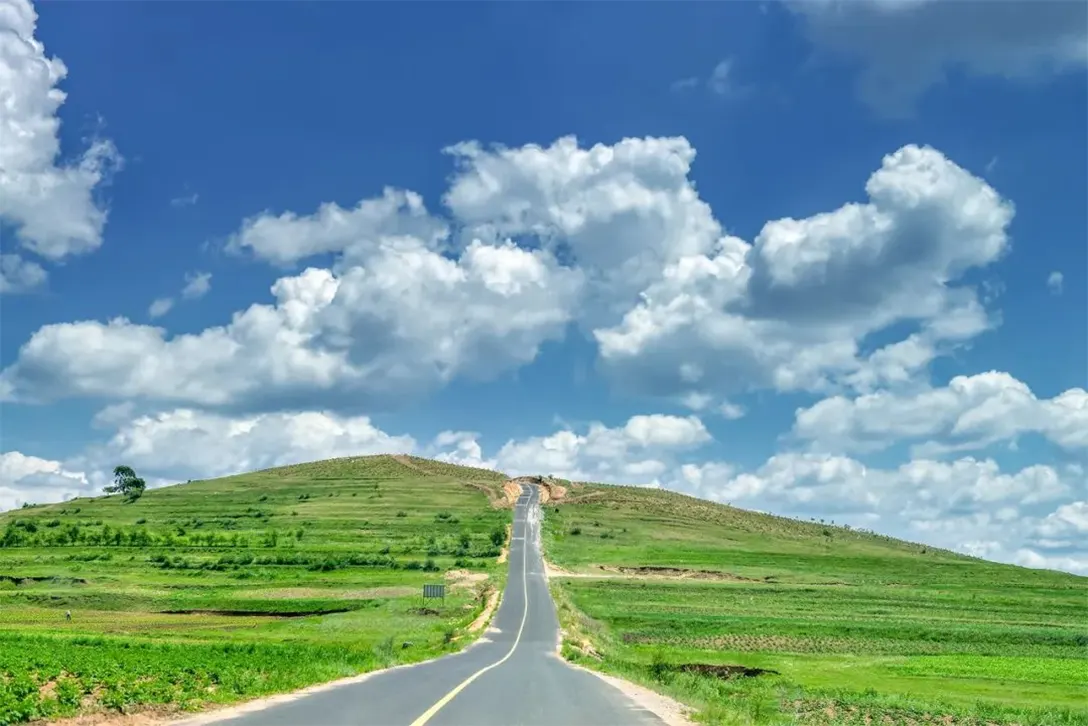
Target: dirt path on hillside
402 459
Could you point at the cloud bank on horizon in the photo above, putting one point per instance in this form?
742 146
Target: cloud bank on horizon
850 322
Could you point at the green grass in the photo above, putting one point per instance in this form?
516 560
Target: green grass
858 628
221 590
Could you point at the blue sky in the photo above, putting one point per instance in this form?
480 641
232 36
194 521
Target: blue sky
742 250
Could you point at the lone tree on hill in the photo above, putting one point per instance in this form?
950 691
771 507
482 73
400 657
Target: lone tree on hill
127 483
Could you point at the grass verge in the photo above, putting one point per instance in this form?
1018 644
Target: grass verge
219 591
754 619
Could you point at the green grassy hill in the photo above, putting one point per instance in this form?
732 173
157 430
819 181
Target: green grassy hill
219 590
695 599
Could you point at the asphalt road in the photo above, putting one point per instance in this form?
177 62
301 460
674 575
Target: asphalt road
511 677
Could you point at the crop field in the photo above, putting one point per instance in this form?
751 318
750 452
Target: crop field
754 619
221 590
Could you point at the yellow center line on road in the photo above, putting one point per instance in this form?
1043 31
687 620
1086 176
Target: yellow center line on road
430 712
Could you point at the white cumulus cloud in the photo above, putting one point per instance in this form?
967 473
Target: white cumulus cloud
971 412
51 204
184 444
614 239
29 479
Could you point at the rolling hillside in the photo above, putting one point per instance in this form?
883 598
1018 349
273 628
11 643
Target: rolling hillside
215 591
757 619
222 590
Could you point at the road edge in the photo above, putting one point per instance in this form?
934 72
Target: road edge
260 704
666 708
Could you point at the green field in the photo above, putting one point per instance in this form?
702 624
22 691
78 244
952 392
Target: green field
217 591
696 599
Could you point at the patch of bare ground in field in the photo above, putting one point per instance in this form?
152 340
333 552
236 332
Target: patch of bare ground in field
149 716
676 573
290 593
460 579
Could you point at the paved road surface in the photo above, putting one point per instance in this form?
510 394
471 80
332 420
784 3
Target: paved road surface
513 678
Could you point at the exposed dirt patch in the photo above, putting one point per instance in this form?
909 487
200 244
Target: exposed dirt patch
489 609
550 491
291 593
604 572
555 492
404 460
678 573
551 570
721 671
260 614
511 490
584 497
424 611
463 579
144 717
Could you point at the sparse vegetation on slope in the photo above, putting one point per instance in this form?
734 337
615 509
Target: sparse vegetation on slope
215 591
756 619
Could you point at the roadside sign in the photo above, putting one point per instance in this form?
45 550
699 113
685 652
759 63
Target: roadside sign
435 591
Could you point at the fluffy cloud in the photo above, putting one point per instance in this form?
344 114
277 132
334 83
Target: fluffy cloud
1067 521
971 412
619 213
355 233
638 452
31 479
789 310
52 205
19 275
189 444
410 320
613 238
906 46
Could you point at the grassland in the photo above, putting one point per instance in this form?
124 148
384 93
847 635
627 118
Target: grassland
216 591
754 619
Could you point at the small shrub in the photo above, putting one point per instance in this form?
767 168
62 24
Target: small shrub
576 531
402 513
